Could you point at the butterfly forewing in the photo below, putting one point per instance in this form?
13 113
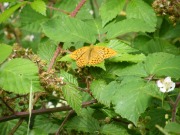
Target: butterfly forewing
105 52
94 57
78 53
83 60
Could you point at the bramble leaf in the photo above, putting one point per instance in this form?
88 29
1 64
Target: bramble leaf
86 124
112 129
70 92
110 9
140 10
7 13
39 6
67 29
126 26
5 53
17 74
163 64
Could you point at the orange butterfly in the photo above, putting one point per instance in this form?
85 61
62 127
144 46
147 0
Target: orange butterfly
91 55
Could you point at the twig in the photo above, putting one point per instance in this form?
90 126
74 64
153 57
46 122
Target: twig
7 106
174 108
56 53
43 111
16 127
65 120
60 10
74 13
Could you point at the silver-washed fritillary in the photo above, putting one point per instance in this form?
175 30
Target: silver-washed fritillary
91 55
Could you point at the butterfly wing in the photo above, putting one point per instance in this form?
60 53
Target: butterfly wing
83 60
78 53
95 57
81 56
105 52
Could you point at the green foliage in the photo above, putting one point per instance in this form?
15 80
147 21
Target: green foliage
141 10
173 127
110 9
6 52
7 126
17 74
121 95
71 93
69 30
39 6
6 14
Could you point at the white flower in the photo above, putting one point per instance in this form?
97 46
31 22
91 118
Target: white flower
91 12
50 105
29 38
54 93
61 80
6 4
59 105
166 85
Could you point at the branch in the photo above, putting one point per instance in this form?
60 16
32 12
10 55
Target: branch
56 53
174 108
43 111
7 105
76 10
16 127
57 9
65 120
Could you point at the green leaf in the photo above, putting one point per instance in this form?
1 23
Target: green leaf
84 124
98 90
46 51
121 47
156 116
39 6
17 74
73 97
148 45
36 20
110 9
163 64
104 93
6 51
129 58
67 29
173 127
140 10
68 78
131 99
112 129
7 13
45 123
134 70
6 127
126 26
71 92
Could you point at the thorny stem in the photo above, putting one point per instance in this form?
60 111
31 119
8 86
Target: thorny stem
56 53
174 108
16 127
81 3
43 111
73 14
7 106
65 120
60 10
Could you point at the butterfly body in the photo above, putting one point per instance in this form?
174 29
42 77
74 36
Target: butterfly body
91 55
